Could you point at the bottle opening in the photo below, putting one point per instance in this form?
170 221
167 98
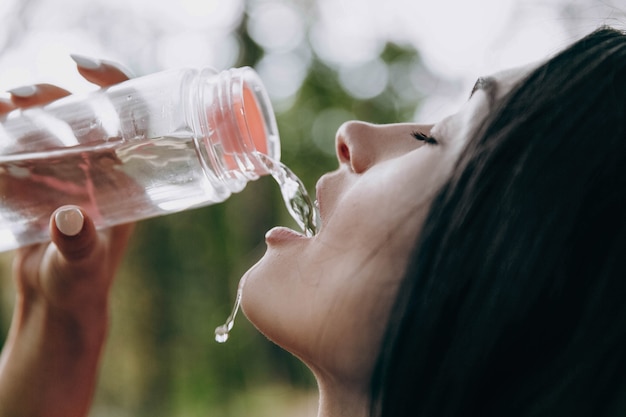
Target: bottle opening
250 120
236 125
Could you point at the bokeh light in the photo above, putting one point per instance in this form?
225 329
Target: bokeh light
283 74
323 62
364 80
276 26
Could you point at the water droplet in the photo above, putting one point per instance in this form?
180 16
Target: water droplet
222 332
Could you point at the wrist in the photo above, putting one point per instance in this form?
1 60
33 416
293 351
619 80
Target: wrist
50 360
82 331
73 329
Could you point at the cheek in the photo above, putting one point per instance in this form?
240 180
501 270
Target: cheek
328 298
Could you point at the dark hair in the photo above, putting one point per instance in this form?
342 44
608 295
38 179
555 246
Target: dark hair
514 303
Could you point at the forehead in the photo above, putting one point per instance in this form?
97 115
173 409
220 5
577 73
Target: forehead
507 79
458 127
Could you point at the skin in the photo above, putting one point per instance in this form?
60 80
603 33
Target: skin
49 363
326 299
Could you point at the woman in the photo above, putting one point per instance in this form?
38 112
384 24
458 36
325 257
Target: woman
510 302
514 300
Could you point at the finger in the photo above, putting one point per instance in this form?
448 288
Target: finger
36 95
74 234
25 266
101 72
52 267
118 238
75 271
6 106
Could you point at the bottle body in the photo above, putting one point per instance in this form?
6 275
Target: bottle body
147 147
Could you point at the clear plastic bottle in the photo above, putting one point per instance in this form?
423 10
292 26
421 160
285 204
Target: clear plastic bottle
150 146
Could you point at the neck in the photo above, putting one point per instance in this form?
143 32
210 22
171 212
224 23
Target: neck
340 399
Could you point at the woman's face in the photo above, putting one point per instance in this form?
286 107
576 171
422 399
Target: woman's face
327 298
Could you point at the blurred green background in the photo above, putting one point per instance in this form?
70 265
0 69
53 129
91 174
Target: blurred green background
323 62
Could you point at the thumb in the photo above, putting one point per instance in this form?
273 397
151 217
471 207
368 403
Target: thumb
73 232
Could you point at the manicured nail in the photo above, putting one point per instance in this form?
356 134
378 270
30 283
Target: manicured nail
5 102
25 91
86 62
126 71
69 220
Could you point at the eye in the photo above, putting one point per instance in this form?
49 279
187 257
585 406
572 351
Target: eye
424 138
480 84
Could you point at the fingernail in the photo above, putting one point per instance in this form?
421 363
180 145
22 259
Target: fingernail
25 91
126 71
122 68
86 62
69 220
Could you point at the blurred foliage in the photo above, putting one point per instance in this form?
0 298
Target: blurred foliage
179 279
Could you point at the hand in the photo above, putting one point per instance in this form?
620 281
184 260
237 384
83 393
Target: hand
86 179
49 362
76 269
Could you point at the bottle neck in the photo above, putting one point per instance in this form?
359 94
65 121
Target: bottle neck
233 122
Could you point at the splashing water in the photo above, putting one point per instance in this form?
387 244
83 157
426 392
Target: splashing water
300 207
295 196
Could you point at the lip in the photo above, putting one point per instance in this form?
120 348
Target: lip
319 194
279 235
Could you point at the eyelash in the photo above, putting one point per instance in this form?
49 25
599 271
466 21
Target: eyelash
429 140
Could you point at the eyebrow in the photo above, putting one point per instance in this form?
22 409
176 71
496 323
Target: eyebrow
489 86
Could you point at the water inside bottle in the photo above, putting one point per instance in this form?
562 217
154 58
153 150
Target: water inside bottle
303 210
151 176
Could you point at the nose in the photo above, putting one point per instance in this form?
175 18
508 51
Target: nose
362 145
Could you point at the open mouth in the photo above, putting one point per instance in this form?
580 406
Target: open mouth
295 196
304 211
